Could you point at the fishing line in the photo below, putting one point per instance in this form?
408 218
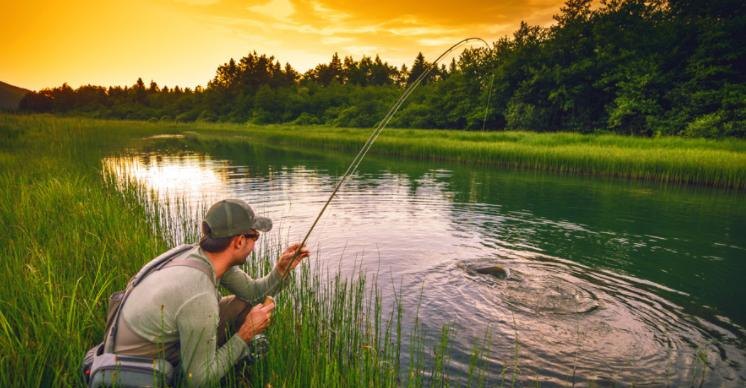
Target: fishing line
489 97
378 128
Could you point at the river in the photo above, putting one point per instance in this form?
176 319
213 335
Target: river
609 281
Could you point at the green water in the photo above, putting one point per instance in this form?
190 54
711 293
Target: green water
611 281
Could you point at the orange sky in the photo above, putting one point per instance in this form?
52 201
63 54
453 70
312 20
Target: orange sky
112 42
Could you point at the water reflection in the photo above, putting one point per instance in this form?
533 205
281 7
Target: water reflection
172 176
609 282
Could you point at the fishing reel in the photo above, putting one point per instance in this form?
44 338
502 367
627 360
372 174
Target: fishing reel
259 344
258 348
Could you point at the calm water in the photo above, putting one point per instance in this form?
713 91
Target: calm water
610 281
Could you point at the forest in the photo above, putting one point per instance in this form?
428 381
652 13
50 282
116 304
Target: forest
634 67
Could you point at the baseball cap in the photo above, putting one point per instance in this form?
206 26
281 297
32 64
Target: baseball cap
231 217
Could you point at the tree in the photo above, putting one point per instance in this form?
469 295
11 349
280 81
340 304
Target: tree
419 67
381 73
138 90
36 102
153 88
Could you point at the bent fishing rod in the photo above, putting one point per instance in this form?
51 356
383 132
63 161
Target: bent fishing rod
379 127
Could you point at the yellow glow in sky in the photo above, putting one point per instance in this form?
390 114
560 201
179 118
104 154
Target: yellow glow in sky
182 42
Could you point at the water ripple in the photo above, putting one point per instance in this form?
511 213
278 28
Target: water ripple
570 320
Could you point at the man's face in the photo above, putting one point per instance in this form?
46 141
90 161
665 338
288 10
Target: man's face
247 243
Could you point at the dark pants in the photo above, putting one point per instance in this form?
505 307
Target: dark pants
233 311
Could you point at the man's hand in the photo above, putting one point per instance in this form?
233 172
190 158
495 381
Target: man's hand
291 258
256 321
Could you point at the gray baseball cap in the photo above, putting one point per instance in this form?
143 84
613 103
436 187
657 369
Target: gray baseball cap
231 217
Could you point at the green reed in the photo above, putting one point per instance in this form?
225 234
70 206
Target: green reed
68 240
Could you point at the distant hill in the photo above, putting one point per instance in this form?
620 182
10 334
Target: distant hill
10 96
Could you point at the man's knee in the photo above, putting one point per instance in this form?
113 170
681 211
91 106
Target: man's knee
232 312
232 307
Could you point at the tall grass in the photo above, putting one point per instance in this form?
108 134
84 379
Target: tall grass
70 236
68 240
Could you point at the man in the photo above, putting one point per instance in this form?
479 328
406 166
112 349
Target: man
177 312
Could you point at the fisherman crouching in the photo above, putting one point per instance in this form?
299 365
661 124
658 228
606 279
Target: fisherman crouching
172 316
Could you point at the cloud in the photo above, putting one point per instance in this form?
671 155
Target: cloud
197 2
419 30
438 42
329 14
275 9
333 40
434 12
396 30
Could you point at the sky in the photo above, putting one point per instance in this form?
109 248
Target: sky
182 42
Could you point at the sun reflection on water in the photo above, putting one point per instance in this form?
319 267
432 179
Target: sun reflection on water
171 175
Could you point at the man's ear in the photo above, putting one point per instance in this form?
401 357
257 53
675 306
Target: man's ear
236 242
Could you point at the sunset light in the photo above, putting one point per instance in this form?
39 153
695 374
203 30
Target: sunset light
182 42
313 193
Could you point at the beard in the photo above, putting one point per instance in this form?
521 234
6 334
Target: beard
243 259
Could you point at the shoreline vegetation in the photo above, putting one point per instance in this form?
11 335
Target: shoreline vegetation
667 159
675 160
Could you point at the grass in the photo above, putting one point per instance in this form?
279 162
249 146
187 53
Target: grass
67 239
718 163
71 235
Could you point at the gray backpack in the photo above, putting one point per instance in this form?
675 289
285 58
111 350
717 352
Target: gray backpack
101 367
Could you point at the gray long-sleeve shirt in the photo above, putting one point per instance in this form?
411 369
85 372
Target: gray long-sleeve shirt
175 309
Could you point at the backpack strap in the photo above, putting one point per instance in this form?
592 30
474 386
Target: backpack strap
199 265
152 266
158 263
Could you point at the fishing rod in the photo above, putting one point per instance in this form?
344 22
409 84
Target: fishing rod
378 128
262 344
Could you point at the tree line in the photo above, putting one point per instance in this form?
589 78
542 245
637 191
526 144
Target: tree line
633 67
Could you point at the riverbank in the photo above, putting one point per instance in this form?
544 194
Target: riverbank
716 163
672 160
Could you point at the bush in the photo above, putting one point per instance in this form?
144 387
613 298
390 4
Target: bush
206 116
415 115
709 125
190 115
520 115
306 118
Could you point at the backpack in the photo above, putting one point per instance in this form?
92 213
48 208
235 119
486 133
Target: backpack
101 367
